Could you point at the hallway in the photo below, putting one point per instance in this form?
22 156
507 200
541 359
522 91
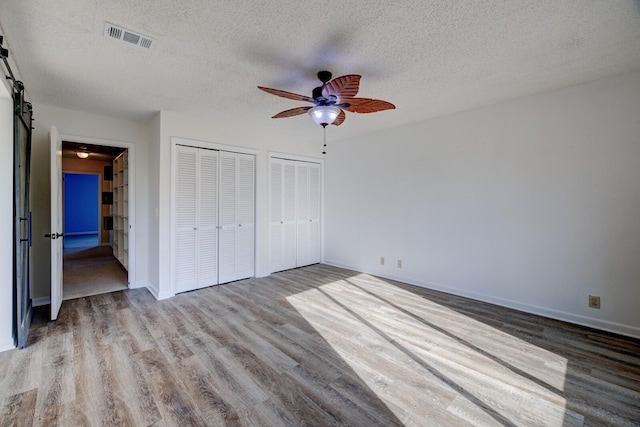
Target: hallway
91 271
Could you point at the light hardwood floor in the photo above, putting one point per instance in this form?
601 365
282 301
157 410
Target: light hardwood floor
314 346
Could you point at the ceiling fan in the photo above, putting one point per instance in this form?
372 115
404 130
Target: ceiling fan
331 100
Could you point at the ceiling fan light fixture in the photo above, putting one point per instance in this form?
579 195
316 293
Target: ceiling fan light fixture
324 115
82 154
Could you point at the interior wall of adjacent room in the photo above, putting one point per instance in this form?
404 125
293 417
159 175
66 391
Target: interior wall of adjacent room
6 219
79 123
96 167
220 132
532 203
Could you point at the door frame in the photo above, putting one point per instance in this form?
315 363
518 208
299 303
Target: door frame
175 141
130 146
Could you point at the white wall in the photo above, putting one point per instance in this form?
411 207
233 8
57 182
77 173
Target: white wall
153 227
78 123
6 219
251 136
532 204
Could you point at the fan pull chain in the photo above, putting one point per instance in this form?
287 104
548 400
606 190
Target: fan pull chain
324 139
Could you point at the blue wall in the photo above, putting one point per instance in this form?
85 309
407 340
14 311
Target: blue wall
80 203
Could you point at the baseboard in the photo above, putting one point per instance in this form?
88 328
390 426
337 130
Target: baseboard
153 288
138 285
37 302
264 273
603 325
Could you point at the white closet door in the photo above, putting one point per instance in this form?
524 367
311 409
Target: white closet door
276 219
246 212
294 217
302 217
227 221
186 215
289 246
207 252
314 207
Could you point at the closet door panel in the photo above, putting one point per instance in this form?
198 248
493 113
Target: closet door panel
276 220
207 252
302 215
186 218
228 217
294 216
246 214
289 216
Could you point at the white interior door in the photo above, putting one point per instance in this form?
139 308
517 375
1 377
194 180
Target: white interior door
295 208
302 215
186 218
245 253
276 220
289 243
227 247
56 222
207 236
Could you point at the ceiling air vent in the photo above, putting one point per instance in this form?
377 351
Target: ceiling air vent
128 36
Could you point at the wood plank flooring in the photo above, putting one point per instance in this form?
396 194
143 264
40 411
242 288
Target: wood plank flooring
316 346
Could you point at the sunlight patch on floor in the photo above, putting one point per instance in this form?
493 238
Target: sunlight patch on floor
415 353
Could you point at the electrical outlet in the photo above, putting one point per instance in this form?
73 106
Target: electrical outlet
381 260
594 301
399 263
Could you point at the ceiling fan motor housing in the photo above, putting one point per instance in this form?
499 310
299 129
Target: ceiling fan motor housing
324 76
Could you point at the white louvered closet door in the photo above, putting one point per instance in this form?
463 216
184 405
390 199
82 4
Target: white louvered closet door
215 217
227 222
302 215
289 240
245 247
294 217
186 218
207 248
276 219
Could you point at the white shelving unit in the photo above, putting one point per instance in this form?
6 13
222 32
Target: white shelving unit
120 209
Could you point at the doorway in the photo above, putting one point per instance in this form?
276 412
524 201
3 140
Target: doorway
90 263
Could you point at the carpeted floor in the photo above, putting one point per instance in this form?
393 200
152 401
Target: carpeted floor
91 271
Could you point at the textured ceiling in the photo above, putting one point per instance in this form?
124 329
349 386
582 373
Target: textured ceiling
428 57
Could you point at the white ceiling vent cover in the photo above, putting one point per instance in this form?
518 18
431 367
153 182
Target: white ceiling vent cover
128 36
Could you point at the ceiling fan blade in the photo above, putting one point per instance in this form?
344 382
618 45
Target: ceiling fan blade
366 105
342 87
338 121
285 94
292 112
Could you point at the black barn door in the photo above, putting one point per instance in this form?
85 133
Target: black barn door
23 307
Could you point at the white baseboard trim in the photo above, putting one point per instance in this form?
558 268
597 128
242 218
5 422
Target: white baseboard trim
264 273
153 289
138 285
603 325
7 345
157 294
165 295
37 302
